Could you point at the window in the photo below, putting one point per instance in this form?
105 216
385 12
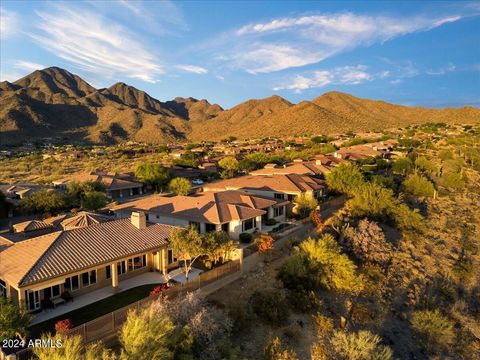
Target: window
278 211
210 227
121 268
52 292
279 196
137 262
3 288
72 283
291 197
171 258
226 227
89 278
194 223
248 224
108 272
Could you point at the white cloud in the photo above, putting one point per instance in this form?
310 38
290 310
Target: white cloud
298 41
8 23
192 69
347 75
442 71
28 66
94 44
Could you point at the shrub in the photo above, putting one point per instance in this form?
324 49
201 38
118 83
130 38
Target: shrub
304 301
316 218
345 178
264 243
270 306
323 325
304 204
434 331
274 350
245 238
180 186
63 326
270 222
362 345
368 243
158 289
418 186
402 166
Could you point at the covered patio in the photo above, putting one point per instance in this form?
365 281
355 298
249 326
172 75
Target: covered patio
99 294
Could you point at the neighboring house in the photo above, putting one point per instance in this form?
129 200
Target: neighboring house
31 226
276 186
234 212
81 260
299 167
357 152
117 185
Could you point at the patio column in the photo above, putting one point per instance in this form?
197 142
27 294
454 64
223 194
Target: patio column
21 298
259 222
114 271
270 212
164 261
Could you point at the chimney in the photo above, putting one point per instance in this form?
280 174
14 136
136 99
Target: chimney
139 220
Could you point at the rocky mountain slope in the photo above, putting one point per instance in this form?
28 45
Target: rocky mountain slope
55 103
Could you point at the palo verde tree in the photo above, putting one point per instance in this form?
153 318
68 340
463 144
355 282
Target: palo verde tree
230 166
187 245
345 178
304 204
154 175
180 186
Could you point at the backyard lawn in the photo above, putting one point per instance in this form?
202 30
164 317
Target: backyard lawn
94 310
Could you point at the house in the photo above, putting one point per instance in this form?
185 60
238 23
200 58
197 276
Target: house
232 211
276 186
116 185
299 167
37 272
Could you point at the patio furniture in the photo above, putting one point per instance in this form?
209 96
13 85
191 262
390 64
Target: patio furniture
58 301
66 296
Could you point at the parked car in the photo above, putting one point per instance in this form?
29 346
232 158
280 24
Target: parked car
197 182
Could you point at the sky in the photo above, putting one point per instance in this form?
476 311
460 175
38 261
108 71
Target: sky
416 53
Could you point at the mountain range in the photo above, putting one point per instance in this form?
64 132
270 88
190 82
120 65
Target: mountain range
56 103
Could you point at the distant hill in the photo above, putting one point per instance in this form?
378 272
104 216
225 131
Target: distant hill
55 103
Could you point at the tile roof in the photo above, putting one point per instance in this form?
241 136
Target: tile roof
83 219
302 168
286 183
31 225
112 181
211 207
64 252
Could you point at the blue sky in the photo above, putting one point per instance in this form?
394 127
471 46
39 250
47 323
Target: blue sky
413 53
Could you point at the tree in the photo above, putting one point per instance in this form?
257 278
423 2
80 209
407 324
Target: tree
154 175
418 186
147 334
402 166
180 186
368 243
362 345
230 167
345 178
426 165
71 348
187 245
90 195
13 321
304 205
270 306
274 350
264 242
218 245
43 201
319 263
94 200
434 331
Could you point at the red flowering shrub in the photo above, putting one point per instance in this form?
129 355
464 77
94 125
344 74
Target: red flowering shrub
316 218
62 326
158 289
264 243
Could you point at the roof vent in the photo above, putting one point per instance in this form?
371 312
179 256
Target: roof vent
139 220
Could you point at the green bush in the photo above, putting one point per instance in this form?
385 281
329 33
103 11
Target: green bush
270 222
434 332
304 301
245 238
270 306
418 186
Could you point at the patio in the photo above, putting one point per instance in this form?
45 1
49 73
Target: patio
99 294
